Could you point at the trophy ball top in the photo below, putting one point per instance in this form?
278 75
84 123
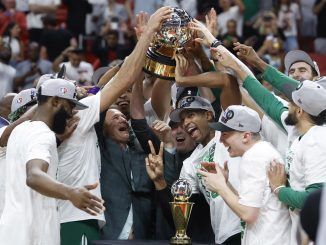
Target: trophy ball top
175 31
181 190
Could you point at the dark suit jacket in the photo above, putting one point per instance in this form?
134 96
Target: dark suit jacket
119 190
199 227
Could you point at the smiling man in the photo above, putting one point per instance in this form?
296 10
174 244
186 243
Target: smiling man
125 188
195 113
30 213
267 219
300 66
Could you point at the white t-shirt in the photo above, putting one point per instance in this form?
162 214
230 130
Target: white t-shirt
80 161
273 134
35 20
273 223
306 164
14 45
2 173
232 14
7 74
29 217
289 16
83 72
225 223
150 114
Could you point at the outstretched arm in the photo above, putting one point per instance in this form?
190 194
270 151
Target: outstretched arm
40 181
132 65
266 100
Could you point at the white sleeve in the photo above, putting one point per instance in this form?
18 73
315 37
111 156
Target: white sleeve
41 147
314 158
252 182
188 174
91 115
150 114
57 2
296 10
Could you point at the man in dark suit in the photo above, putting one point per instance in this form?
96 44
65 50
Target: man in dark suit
125 186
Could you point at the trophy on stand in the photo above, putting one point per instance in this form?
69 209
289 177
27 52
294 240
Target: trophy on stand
181 210
171 38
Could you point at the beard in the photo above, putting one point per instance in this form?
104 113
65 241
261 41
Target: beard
291 120
60 121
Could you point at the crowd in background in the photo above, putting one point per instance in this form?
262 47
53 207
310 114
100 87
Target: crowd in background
103 142
40 34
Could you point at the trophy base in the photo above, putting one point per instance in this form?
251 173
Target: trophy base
178 240
159 65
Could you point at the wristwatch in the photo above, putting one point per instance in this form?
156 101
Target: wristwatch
216 43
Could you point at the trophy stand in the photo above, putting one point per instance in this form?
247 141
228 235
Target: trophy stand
181 213
181 210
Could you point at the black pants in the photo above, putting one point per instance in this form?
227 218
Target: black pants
233 240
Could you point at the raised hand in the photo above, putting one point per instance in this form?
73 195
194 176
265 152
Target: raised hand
207 37
82 198
246 53
276 175
163 131
181 66
141 23
154 166
156 19
214 181
224 57
211 22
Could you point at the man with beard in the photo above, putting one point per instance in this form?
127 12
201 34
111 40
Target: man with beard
32 159
79 156
300 66
195 114
126 189
306 115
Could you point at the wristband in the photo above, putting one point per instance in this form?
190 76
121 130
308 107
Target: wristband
216 43
93 90
275 191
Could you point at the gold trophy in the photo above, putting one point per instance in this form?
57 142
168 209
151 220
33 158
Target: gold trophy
171 38
181 210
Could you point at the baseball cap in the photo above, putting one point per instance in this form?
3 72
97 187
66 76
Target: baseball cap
63 89
311 97
238 118
297 56
190 103
44 77
99 73
24 97
185 91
